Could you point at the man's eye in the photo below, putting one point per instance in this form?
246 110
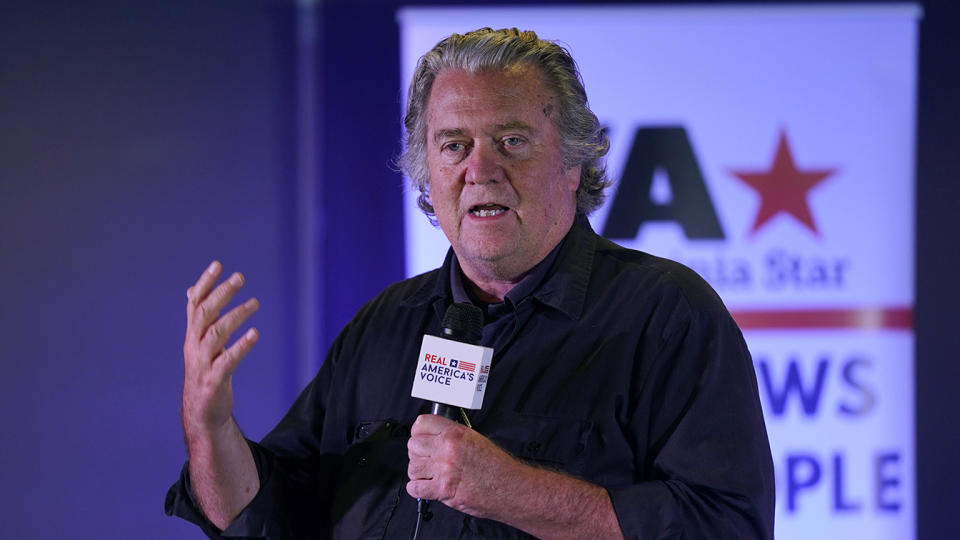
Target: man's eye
512 141
454 147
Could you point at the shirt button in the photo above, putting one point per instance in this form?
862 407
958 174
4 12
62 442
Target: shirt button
362 462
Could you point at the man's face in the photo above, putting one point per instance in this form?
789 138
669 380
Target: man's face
497 182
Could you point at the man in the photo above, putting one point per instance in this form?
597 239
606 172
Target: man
621 400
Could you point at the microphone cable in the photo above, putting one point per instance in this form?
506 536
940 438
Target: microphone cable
422 510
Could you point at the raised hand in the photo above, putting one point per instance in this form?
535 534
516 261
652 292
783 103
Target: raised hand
222 470
208 364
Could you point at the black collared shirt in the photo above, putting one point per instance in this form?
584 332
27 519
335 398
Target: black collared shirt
500 318
620 368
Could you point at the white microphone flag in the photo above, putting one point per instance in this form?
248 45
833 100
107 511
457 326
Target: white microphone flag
452 372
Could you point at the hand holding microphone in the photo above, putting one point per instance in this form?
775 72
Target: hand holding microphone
453 464
449 462
456 466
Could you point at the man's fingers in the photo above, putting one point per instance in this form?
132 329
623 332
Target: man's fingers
424 489
209 309
218 333
431 424
202 287
432 490
421 446
419 489
230 358
420 469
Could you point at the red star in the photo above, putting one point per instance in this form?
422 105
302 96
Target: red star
783 188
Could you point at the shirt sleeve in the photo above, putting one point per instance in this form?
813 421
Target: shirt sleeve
292 470
258 520
706 469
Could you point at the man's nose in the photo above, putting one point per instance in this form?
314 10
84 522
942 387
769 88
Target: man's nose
484 165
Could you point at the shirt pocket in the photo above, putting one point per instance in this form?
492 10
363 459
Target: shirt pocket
370 480
561 444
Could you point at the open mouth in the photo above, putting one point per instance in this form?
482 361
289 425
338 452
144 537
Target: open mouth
487 210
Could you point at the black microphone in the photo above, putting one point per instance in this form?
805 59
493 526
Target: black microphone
452 373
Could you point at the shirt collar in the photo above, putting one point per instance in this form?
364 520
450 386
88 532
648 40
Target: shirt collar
564 287
521 290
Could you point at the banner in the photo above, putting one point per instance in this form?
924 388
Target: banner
769 148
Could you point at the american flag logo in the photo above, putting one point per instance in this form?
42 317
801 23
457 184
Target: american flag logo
460 364
484 369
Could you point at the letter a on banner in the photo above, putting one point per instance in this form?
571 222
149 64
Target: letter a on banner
667 149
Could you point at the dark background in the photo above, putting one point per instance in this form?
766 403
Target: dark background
140 140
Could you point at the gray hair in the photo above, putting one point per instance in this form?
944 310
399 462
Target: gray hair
582 140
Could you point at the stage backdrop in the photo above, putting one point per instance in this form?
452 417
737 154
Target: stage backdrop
770 149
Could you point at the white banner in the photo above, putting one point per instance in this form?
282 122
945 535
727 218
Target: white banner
770 148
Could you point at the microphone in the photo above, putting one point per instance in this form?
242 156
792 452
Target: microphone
452 373
452 370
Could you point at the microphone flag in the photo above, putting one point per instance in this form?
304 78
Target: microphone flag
452 372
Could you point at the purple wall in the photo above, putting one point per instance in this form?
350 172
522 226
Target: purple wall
139 141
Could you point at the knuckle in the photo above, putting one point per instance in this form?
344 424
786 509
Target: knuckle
208 387
454 433
451 446
215 332
447 489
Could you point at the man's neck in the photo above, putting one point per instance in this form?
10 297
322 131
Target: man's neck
490 280
491 291
495 290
